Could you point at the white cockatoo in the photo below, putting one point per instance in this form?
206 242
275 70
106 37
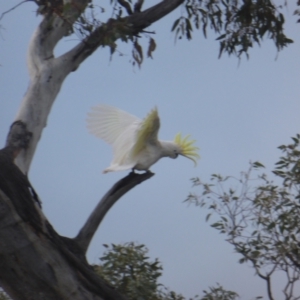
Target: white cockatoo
134 141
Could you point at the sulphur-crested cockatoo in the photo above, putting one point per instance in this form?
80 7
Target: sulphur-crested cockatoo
135 142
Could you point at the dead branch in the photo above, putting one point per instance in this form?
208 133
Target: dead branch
124 185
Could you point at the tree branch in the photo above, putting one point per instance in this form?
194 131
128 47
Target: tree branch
48 73
13 182
12 8
124 185
144 19
108 33
268 281
55 25
31 252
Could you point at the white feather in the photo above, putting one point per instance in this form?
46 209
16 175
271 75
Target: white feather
118 128
108 123
135 142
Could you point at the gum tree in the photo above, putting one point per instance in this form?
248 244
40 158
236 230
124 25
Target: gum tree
44 264
260 217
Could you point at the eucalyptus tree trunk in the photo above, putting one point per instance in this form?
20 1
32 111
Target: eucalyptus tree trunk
35 261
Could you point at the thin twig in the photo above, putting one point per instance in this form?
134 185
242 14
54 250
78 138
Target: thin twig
14 7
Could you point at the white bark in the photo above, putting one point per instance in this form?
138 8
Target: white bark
48 73
43 264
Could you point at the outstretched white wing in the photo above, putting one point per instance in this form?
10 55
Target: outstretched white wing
128 135
109 123
116 127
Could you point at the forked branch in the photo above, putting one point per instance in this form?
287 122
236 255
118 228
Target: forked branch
111 31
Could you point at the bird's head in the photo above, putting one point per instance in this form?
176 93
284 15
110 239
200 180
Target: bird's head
186 147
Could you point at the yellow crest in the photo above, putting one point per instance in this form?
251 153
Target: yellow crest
188 149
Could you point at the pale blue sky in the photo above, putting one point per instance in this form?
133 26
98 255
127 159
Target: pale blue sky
236 112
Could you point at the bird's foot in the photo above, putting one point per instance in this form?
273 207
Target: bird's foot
134 171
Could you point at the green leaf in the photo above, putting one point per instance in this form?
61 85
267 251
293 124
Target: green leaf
221 37
257 164
271 225
242 260
151 48
175 24
188 24
207 217
224 219
215 225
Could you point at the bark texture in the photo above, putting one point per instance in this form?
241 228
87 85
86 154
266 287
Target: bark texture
47 72
37 263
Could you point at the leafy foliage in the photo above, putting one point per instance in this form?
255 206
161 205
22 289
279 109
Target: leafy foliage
218 293
128 268
239 24
262 223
